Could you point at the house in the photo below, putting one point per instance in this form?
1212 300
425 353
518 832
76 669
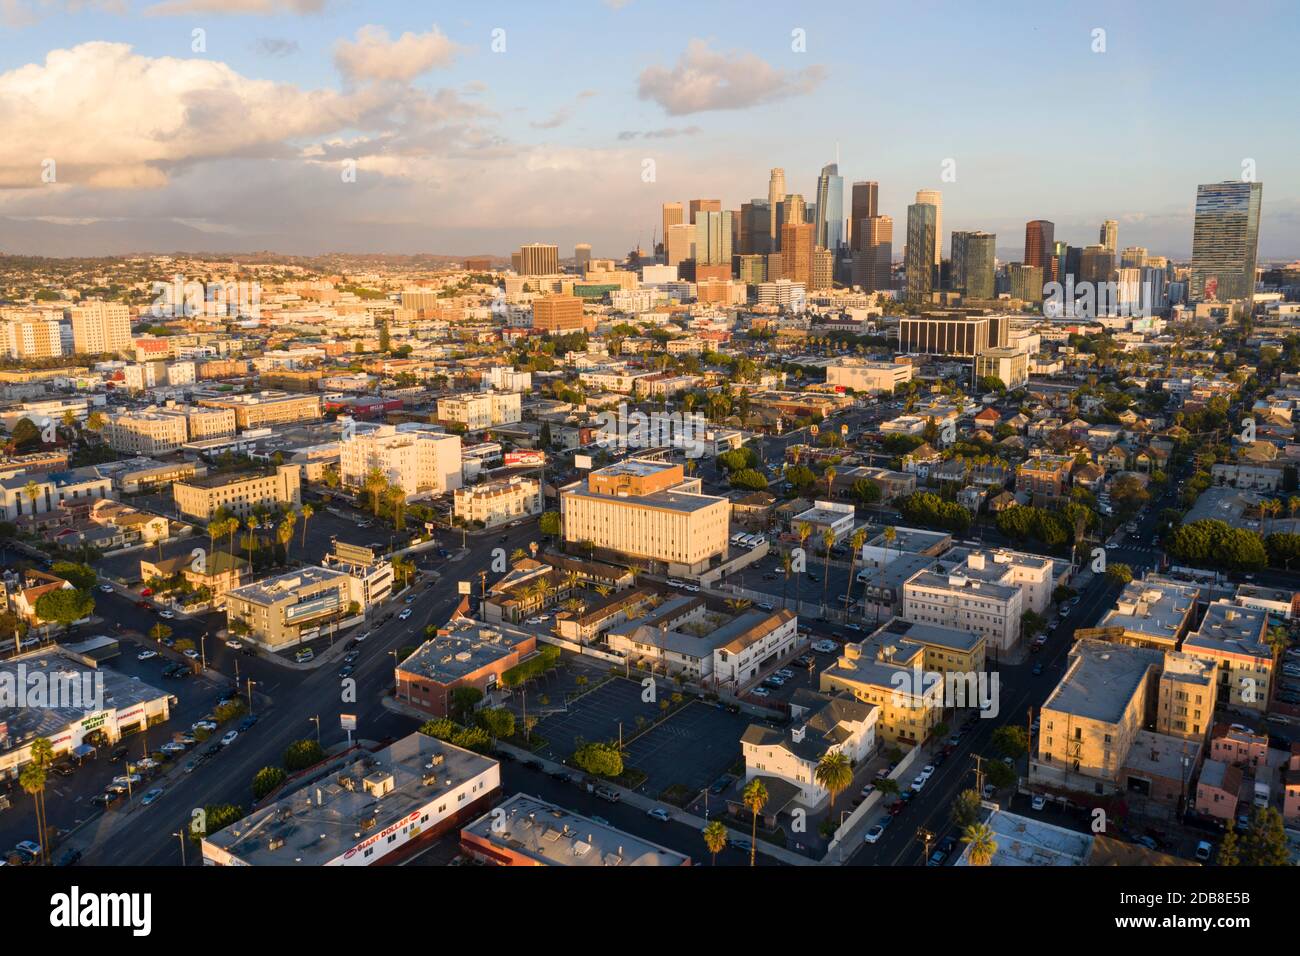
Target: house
1218 790
30 587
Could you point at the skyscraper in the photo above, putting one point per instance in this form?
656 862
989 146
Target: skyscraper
1040 246
922 239
582 255
830 207
1225 240
679 242
754 223
863 205
713 238
1109 236
704 205
1133 257
673 214
790 210
973 262
934 198
775 194
796 252
539 259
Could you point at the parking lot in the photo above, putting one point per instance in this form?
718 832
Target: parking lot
594 716
692 749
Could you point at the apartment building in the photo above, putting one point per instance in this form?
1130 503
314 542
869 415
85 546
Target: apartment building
1046 477
30 334
31 494
820 724
868 377
964 602
1151 613
647 510
239 493
149 432
290 608
498 502
1236 639
1036 575
100 327
480 410
910 700
1185 702
559 314
413 457
210 422
265 409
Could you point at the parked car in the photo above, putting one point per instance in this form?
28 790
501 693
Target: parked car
761 692
874 833
191 653
229 738
1038 802
233 644
405 614
167 614
659 813
918 783
151 796
69 857
1204 850
106 588
146 655
608 793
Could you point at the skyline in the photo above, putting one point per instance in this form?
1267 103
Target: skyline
460 151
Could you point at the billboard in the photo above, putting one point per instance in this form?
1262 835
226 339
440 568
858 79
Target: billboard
525 458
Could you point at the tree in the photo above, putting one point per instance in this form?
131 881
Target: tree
754 797
834 772
550 523
284 534
160 632
804 530
749 479
867 491
375 484
307 512
267 780
80 576
1011 740
25 435
965 809
33 493
1119 573
498 721
302 754
32 780
439 728
855 548
715 838
463 702
96 422
999 774
216 817
1265 843
65 606
599 759
980 838
890 536
828 542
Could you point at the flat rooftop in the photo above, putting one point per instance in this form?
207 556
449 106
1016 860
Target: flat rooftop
221 480
1101 679
668 500
462 648
1233 630
960 581
273 590
1024 841
333 810
1155 608
553 836
635 466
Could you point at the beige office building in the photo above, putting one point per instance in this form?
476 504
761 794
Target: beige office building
239 494
499 502
268 408
149 432
863 376
210 422
479 410
647 510
291 608
99 327
539 259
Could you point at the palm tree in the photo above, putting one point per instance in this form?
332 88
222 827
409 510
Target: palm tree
754 797
828 542
855 545
33 491
32 780
250 538
375 483
830 481
715 838
982 844
890 535
284 534
738 605
307 512
787 563
804 531
397 501
834 772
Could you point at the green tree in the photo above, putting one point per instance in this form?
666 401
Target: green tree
965 809
980 838
266 780
1011 741
1119 573
599 759
754 797
440 728
302 754
498 721
550 524
715 838
834 772
65 606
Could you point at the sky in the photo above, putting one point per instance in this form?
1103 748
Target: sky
313 126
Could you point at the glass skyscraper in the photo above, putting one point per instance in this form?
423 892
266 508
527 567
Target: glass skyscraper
922 240
830 208
1225 240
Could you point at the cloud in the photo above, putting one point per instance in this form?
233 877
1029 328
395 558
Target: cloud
275 46
704 79
668 132
167 113
17 14
375 56
264 8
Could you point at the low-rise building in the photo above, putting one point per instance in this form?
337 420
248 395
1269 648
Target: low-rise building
464 653
290 608
1235 639
238 492
498 502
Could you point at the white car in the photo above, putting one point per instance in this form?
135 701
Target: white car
207 725
191 653
927 772
172 747
166 614
659 813
229 738
874 834
918 783
537 620
234 645
405 614
825 647
146 655
1038 802
106 588
760 692
127 778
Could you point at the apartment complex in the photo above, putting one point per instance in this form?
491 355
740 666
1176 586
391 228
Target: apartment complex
148 432
498 502
268 408
648 510
967 599
412 456
1151 613
238 493
1235 638
480 410
100 327
29 334
285 610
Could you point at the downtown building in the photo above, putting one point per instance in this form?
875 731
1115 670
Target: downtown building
411 456
1225 240
100 327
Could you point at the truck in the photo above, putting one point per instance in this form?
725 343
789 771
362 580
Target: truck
1261 793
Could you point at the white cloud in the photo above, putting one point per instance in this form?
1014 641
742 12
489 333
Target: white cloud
266 8
704 79
375 56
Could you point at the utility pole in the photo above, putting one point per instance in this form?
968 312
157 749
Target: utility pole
979 774
925 836
180 835
251 682
315 720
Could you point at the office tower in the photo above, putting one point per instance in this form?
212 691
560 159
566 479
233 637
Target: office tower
582 254
1155 289
775 193
1109 236
973 262
790 211
830 207
823 269
1026 282
1133 257
1040 243
966 336
919 260
872 261
539 259
1096 264
713 238
863 205
796 252
1225 240
560 313
752 269
934 198
698 206
755 228
679 243
673 214
99 327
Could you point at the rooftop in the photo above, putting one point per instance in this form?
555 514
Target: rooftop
1101 679
461 648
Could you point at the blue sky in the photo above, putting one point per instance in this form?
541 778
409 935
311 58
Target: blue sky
479 151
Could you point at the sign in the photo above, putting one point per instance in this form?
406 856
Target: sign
348 721
812 429
582 461
464 587
844 430
517 459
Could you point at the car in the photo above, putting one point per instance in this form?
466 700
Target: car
146 655
106 588
1038 802
1148 842
1037 669
918 783
234 645
659 813
1204 850
127 780
989 791
409 599
207 725
248 722
536 619
897 807
191 653
351 657
167 614
927 772
172 747
761 692
873 833
405 614
69 857
785 672
191 766
229 738
937 858
169 642
29 848
774 681
608 793
361 637
825 647
151 796
346 670
146 592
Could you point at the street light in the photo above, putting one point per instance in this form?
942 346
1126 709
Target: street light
180 835
315 720
251 682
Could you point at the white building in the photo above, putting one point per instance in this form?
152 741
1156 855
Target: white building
964 603
420 461
480 410
499 502
863 376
